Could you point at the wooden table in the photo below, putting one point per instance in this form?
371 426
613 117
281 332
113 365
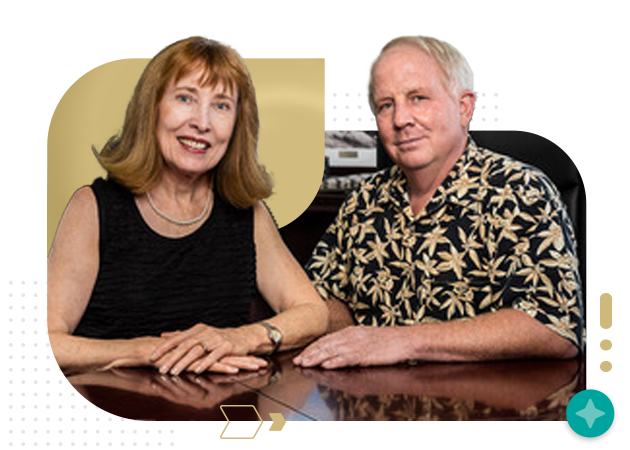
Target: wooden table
520 390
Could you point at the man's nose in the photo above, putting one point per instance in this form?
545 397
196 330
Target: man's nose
402 115
201 119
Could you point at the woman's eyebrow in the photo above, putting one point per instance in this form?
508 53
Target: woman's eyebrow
224 96
190 89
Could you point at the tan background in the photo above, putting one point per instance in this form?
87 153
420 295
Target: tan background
290 94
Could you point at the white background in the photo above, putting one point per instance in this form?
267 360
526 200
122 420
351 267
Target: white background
557 69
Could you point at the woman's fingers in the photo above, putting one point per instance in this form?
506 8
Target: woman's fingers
168 334
245 362
211 358
181 357
230 365
169 344
199 348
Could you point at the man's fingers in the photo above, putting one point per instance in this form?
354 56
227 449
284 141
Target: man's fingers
337 362
315 354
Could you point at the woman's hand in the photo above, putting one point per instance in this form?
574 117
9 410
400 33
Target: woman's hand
202 348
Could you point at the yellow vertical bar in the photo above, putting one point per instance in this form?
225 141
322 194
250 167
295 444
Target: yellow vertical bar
605 311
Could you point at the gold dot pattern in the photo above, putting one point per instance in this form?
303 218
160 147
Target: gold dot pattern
605 344
605 366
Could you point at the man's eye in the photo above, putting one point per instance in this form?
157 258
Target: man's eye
383 106
417 98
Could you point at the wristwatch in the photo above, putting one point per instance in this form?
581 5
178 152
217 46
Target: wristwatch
275 336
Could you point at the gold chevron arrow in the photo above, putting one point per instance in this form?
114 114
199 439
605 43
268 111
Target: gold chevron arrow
278 421
228 421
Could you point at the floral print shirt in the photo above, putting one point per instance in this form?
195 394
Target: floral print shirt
494 235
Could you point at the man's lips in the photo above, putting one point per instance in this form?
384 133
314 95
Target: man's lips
194 144
408 142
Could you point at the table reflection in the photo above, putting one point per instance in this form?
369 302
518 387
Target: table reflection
518 390
531 390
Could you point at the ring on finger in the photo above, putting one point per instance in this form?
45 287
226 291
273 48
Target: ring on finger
205 347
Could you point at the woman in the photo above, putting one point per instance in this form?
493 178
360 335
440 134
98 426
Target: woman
158 264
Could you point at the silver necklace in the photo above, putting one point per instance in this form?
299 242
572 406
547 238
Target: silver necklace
181 222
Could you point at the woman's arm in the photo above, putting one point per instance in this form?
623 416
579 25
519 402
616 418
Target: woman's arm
301 314
72 270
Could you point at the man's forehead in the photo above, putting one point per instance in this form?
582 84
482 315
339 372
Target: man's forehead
408 60
405 54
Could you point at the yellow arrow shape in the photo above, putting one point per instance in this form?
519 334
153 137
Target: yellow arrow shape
228 421
278 421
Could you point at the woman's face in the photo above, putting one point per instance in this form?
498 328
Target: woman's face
195 124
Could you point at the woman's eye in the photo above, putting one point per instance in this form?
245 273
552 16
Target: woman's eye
223 106
183 98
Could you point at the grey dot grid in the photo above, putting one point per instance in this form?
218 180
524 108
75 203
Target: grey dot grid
487 108
350 108
347 108
42 409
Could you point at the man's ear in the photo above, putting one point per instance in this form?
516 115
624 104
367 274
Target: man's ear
467 101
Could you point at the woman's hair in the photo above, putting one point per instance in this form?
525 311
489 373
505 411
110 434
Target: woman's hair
134 159
458 75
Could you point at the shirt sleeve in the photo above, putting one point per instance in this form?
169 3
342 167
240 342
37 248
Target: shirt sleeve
537 263
328 267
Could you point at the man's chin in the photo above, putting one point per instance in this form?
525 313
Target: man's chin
413 162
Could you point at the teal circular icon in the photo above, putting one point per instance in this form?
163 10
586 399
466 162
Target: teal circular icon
590 413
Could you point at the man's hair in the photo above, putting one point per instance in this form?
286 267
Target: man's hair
134 158
458 75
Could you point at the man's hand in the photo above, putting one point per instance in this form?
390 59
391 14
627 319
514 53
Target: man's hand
356 346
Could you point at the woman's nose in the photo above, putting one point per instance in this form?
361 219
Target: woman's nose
200 119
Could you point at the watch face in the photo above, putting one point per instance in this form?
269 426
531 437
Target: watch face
275 336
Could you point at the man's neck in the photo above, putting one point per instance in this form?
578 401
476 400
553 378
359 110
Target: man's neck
422 183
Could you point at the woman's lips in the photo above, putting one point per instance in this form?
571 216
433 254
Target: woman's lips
194 145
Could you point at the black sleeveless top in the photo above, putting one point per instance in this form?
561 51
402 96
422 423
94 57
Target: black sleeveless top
148 283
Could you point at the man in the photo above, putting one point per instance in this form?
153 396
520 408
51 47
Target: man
454 254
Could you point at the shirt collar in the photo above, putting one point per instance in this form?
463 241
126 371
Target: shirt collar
456 189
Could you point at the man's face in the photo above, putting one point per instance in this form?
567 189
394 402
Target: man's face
420 122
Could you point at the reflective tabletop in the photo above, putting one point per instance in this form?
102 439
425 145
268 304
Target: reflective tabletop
515 390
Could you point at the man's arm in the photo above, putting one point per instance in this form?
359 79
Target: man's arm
506 334
339 315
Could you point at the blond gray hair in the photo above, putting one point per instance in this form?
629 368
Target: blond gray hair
458 75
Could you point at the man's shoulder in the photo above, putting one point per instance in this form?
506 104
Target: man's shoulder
500 174
372 191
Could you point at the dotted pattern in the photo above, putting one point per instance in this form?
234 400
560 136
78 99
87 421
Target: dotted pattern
352 109
605 322
486 108
41 408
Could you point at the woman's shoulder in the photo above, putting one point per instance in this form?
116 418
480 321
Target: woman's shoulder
79 222
83 200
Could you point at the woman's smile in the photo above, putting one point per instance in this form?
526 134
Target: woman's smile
194 145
